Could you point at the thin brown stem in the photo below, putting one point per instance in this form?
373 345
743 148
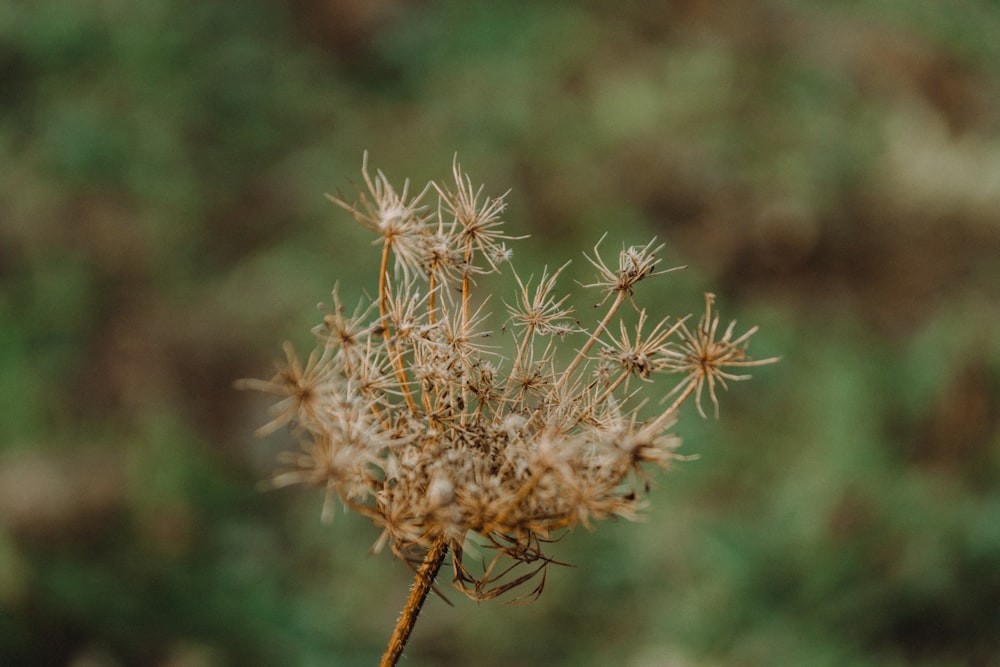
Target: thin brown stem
684 395
466 299
422 584
431 298
395 357
611 388
383 295
582 354
522 349
466 284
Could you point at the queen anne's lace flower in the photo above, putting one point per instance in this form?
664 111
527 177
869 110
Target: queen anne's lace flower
409 417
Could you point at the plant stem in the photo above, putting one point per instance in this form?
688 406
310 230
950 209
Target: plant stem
688 390
396 358
418 593
582 354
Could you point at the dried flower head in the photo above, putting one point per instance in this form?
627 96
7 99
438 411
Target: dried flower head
703 355
409 417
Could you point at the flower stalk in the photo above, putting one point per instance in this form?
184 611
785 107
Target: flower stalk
422 584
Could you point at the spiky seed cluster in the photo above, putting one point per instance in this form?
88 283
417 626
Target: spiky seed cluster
406 417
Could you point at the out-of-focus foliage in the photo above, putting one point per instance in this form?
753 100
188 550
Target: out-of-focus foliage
831 170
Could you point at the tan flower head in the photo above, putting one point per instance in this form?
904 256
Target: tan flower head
410 414
704 354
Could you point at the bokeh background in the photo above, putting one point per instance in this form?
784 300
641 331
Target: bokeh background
830 170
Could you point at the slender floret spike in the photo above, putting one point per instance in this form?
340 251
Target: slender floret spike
414 412
400 221
346 334
478 225
540 312
704 354
303 389
638 355
635 263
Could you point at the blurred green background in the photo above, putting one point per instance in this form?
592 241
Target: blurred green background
830 170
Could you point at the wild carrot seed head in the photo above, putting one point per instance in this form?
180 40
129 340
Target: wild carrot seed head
411 414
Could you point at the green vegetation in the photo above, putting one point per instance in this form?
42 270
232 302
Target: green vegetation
829 171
